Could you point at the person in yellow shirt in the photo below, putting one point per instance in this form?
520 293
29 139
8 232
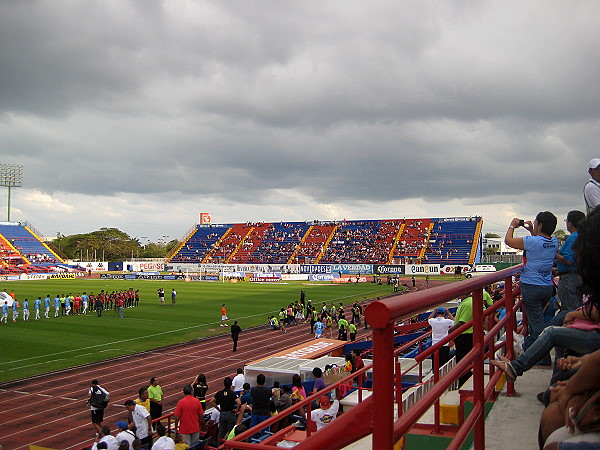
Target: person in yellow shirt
143 399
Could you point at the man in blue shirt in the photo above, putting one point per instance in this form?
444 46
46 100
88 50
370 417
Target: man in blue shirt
37 303
319 326
15 310
47 306
85 299
56 305
569 281
25 310
4 312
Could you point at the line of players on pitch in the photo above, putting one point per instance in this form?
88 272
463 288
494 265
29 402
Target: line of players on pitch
66 305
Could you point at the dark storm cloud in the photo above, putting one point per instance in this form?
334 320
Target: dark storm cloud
332 102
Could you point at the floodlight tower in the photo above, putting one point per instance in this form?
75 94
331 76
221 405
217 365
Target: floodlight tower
11 175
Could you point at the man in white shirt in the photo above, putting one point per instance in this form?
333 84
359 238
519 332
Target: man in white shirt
163 442
327 413
105 436
238 381
591 191
142 422
439 330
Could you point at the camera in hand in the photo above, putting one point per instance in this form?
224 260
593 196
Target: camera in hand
521 223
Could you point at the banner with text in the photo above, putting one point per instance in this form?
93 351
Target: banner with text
422 269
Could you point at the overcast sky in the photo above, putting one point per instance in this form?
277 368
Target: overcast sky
140 115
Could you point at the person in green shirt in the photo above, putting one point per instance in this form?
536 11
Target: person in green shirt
464 341
352 330
342 329
155 394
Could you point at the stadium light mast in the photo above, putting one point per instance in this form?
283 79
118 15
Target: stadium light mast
11 175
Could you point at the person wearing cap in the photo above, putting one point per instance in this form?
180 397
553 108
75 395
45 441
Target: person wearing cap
440 324
591 191
124 434
142 422
327 412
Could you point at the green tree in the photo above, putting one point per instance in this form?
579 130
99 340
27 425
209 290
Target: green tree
108 244
561 235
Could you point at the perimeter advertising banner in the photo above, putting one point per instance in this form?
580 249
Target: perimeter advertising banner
266 277
95 266
422 269
352 269
388 269
315 268
320 277
451 269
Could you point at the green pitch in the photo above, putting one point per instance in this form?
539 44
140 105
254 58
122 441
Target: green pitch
39 346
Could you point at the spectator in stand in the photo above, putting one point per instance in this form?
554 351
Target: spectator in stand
440 324
125 434
228 404
164 442
155 393
141 422
327 412
239 380
143 398
261 397
359 364
246 396
591 191
200 387
581 330
189 416
106 438
536 278
568 281
572 415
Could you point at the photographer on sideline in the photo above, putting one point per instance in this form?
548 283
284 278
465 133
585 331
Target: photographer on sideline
536 279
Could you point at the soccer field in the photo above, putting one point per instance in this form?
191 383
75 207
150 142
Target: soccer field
39 346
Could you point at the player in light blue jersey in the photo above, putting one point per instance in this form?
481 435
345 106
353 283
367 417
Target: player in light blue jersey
36 306
25 310
85 300
4 312
15 310
56 305
47 302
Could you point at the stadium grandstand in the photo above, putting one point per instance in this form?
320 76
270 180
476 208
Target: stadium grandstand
24 251
450 240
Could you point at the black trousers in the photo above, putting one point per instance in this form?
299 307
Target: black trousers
463 344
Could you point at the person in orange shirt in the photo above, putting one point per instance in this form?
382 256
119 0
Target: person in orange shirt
224 317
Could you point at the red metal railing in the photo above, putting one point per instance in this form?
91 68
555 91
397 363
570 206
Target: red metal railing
382 315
